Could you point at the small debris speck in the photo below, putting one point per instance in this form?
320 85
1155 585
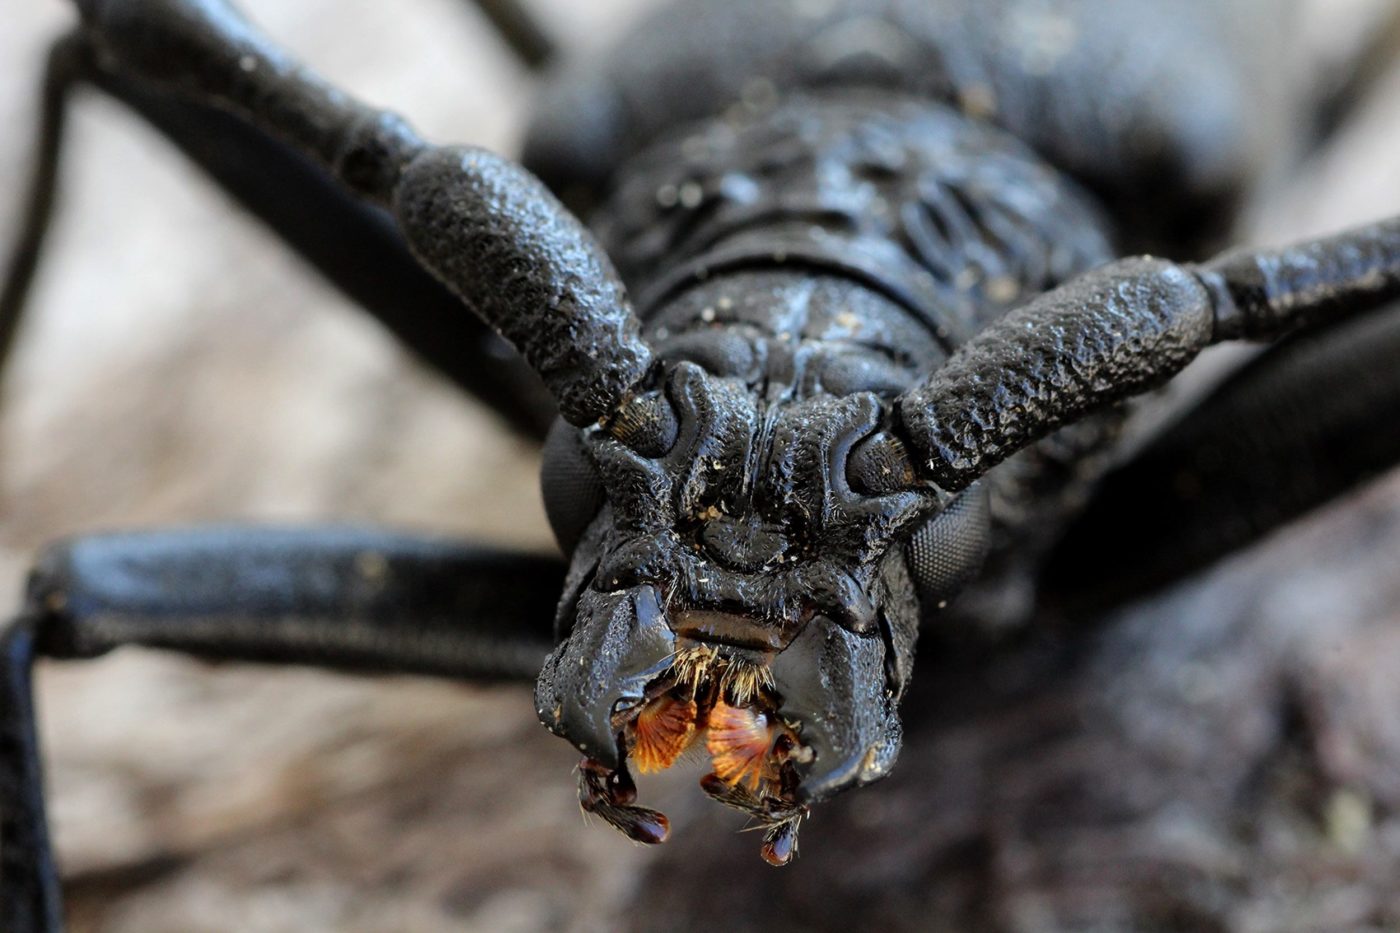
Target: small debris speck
1348 820
691 194
1002 289
371 565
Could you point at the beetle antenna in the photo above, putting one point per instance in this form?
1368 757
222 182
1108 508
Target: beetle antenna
1124 329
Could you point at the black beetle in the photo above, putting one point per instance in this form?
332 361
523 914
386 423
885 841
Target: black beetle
880 353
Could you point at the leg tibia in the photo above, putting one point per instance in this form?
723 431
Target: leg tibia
346 598
349 599
1301 424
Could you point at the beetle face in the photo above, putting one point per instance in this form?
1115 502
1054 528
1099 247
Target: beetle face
743 588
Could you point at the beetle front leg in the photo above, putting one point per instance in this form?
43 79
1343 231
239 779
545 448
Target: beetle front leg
345 599
1300 424
30 898
522 31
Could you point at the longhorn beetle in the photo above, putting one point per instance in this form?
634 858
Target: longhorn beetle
874 349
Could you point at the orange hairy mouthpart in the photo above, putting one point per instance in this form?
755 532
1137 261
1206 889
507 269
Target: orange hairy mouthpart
739 740
662 731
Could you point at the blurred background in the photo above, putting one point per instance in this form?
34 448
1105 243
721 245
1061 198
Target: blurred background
179 366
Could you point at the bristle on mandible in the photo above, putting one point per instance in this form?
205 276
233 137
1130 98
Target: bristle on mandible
739 741
663 730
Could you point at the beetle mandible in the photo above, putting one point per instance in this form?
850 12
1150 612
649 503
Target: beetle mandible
876 310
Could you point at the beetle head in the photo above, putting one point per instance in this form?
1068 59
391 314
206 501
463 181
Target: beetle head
746 578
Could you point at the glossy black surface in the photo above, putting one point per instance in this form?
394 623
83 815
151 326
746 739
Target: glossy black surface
871 250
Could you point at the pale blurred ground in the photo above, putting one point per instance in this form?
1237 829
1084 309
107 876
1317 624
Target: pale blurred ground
178 366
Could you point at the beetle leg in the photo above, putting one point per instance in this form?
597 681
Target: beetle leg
31 900
354 600
65 65
1296 426
522 31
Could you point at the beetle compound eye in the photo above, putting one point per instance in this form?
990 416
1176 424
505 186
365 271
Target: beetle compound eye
573 491
947 553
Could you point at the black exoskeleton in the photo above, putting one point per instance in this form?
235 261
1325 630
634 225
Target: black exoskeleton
878 350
